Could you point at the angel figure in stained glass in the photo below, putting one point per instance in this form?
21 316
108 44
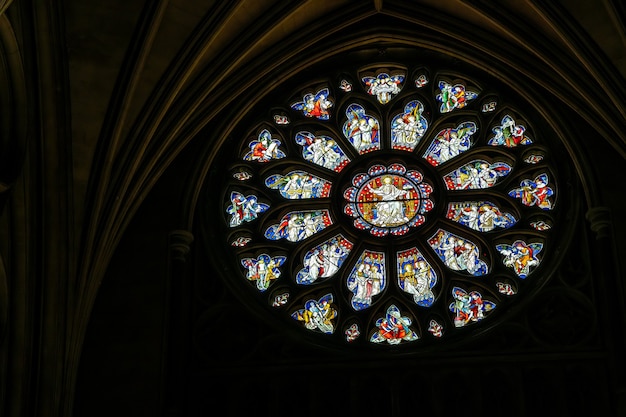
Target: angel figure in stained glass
322 151
408 128
361 130
244 209
534 192
479 215
476 175
264 148
450 142
297 226
457 253
299 185
263 270
393 328
324 260
520 256
367 279
470 307
318 314
453 96
383 86
418 278
315 105
509 134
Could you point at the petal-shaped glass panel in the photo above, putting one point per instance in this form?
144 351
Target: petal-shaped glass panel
534 192
318 314
362 130
324 260
450 143
299 185
469 307
315 105
475 175
322 150
244 208
383 86
394 328
480 215
457 253
263 270
508 134
408 128
299 225
541 225
519 256
264 148
416 276
453 96
367 279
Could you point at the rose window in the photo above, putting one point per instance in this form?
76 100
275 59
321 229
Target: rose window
389 207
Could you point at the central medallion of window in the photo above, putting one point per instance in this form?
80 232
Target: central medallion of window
388 200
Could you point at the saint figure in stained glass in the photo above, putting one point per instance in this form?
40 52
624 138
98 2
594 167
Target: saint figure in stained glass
264 148
244 208
361 130
322 150
449 143
383 86
479 215
263 270
315 105
457 253
509 134
299 185
408 128
368 279
469 308
520 256
416 276
318 314
534 192
324 260
299 225
393 328
453 96
476 175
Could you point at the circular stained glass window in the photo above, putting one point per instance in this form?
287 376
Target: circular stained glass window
388 206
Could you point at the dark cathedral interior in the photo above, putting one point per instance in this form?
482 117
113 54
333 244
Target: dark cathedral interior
124 142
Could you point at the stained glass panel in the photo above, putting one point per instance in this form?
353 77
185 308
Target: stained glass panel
457 253
449 143
408 128
299 225
361 129
299 185
367 279
394 328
